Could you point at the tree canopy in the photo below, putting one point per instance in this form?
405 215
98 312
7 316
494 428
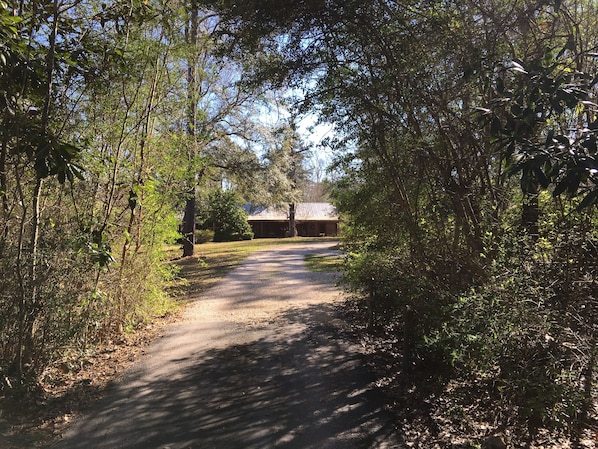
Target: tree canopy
113 117
466 164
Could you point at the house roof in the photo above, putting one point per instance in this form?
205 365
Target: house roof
303 212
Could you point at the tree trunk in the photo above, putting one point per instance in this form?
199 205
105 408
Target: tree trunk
530 213
4 195
190 204
292 223
189 225
32 305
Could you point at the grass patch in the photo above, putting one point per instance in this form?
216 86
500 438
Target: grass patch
317 263
212 261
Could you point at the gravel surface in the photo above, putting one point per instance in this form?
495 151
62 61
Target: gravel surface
259 361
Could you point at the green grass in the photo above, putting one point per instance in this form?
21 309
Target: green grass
212 261
317 263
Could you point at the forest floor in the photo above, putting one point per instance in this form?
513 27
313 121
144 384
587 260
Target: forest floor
66 389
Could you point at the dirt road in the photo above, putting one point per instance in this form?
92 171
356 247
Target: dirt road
258 362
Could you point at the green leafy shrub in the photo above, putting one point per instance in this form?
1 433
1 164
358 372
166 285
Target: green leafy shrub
527 331
411 301
226 217
247 236
204 235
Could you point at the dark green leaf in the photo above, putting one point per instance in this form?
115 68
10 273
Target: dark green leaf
541 177
590 199
563 140
561 187
495 127
549 138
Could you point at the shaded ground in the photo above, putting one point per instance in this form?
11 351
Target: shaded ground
261 361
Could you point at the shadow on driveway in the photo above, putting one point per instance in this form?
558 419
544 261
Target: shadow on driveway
302 391
259 361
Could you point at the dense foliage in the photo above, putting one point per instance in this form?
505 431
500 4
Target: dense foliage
468 181
467 171
113 117
226 217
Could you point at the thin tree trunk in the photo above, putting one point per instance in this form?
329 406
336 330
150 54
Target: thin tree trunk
530 213
190 203
143 146
17 364
30 302
35 303
292 221
189 225
4 194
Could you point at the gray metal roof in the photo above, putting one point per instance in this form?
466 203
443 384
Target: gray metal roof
303 212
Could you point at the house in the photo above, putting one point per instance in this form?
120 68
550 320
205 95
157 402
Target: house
311 220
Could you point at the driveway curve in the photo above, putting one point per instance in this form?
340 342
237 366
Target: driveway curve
259 361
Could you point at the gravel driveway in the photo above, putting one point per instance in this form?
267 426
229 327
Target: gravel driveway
259 361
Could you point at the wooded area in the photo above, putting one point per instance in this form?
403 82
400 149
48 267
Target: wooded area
467 138
466 171
115 118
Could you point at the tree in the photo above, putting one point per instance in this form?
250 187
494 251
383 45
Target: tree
545 119
387 99
220 121
191 39
91 173
226 217
433 215
40 65
316 187
285 172
101 140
